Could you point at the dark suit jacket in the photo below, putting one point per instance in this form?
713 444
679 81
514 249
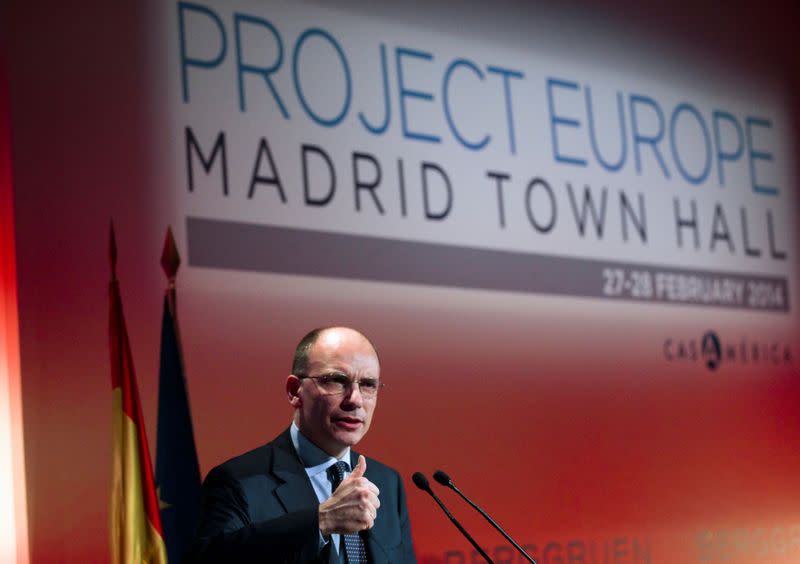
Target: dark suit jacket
261 507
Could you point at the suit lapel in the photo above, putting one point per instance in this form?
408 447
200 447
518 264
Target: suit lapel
296 491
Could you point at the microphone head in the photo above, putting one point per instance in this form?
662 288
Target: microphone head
442 478
421 481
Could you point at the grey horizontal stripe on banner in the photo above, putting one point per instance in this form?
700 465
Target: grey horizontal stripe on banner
262 248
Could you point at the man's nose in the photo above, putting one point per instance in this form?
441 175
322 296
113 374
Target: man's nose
352 395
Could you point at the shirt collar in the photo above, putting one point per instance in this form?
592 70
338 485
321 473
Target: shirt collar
314 459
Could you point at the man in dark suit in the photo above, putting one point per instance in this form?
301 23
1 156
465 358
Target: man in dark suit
306 496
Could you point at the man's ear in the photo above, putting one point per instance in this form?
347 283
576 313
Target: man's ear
293 390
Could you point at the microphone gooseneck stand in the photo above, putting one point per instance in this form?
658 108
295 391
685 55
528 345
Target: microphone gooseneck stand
421 482
445 480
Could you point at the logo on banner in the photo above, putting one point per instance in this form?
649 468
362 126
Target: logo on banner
712 351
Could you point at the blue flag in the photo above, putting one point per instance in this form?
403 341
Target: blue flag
177 470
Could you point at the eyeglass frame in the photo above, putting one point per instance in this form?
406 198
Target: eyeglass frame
351 383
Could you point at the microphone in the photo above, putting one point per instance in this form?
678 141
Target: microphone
445 480
421 482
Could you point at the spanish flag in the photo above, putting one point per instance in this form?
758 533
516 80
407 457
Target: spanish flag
136 534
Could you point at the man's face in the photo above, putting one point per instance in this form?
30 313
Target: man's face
335 422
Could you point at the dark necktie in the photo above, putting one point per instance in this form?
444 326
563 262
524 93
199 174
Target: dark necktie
354 550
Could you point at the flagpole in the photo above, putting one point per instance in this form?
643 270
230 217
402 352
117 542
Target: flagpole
177 469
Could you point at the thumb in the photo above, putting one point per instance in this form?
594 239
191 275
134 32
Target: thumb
361 467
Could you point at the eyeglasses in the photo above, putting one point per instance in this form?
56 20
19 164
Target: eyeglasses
336 383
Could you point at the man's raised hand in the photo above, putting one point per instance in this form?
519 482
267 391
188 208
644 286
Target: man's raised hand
353 506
